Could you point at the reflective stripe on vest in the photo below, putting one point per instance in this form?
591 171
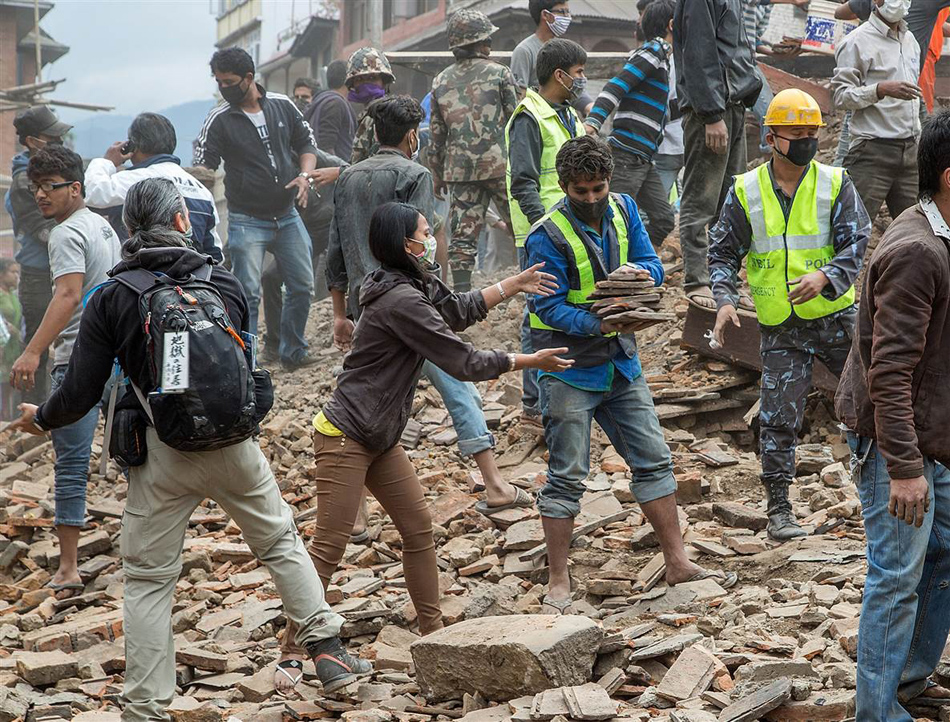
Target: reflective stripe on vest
553 135
783 251
583 279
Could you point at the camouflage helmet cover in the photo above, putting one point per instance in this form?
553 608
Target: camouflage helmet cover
466 27
368 61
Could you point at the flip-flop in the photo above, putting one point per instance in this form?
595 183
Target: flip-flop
522 500
67 585
746 303
359 538
703 292
294 665
560 606
726 579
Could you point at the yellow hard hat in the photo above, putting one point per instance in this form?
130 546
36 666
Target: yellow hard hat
793 107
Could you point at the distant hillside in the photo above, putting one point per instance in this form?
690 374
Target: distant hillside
92 135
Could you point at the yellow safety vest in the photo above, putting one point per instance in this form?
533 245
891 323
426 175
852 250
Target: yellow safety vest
553 135
582 278
783 251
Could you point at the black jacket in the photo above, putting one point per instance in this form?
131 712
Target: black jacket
111 328
720 73
404 322
334 122
251 185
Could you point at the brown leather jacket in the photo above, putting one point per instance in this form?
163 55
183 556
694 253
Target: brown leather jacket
895 387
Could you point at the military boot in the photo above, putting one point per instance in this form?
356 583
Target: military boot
782 522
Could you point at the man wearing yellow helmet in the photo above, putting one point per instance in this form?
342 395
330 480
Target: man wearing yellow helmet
803 229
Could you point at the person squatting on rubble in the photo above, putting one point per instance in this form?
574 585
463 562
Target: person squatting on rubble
877 66
895 400
368 78
587 235
802 229
409 318
268 153
150 147
82 248
170 484
472 101
36 128
717 82
640 95
543 121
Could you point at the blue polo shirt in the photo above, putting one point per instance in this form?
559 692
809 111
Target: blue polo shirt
557 313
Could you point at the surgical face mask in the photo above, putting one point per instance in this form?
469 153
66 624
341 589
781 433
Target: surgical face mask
893 11
577 87
590 213
428 254
560 24
234 94
366 93
414 153
190 236
800 150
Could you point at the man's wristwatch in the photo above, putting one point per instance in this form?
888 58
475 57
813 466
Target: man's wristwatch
303 174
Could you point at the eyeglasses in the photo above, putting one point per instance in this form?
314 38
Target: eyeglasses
48 187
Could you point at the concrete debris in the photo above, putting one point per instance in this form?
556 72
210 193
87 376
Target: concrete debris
779 645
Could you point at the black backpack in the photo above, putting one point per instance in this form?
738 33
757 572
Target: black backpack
220 407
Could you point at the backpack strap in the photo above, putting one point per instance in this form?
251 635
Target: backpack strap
203 273
137 279
110 419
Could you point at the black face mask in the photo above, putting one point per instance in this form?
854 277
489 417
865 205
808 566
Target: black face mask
800 150
590 213
234 94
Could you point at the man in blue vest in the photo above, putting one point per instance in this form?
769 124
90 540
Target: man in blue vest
584 237
804 229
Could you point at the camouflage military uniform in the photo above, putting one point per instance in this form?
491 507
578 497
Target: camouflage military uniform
787 355
367 61
365 143
471 103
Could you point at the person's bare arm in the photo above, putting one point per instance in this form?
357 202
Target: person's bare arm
66 299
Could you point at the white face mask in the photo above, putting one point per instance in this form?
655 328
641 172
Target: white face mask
560 24
893 11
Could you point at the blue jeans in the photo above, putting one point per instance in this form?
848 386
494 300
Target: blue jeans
465 407
904 617
285 237
668 167
73 447
844 140
627 416
529 377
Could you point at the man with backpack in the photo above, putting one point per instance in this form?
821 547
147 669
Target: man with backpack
187 456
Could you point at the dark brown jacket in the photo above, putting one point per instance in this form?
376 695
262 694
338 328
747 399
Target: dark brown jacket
895 387
404 322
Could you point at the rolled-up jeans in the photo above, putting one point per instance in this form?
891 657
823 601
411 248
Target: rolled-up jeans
286 238
73 447
904 619
627 416
464 404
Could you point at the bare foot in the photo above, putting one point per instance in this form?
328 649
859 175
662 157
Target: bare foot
287 677
500 494
66 576
936 691
702 296
677 574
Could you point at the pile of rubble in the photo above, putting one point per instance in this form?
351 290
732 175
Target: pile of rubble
780 645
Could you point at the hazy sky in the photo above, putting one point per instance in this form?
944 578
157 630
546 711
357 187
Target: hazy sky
140 55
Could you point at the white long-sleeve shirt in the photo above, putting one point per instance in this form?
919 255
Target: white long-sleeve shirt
872 54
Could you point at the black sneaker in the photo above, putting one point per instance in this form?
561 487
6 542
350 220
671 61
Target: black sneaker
336 667
305 360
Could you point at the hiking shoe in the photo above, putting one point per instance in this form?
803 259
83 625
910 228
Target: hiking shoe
305 360
336 667
784 526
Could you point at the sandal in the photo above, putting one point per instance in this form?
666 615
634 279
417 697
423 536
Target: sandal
702 297
726 579
522 500
67 585
561 607
746 303
286 668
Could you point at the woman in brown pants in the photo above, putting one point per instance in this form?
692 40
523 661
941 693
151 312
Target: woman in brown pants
408 316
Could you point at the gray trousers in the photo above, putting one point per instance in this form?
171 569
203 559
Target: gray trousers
638 178
706 180
163 493
788 355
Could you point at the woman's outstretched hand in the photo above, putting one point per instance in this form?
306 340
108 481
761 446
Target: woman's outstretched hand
534 280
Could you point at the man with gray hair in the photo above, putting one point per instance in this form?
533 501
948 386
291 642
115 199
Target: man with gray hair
150 148
170 483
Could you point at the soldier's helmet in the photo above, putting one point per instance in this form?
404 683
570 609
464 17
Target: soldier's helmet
368 61
468 26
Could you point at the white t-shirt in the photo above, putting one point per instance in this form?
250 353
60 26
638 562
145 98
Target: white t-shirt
673 130
261 124
84 243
